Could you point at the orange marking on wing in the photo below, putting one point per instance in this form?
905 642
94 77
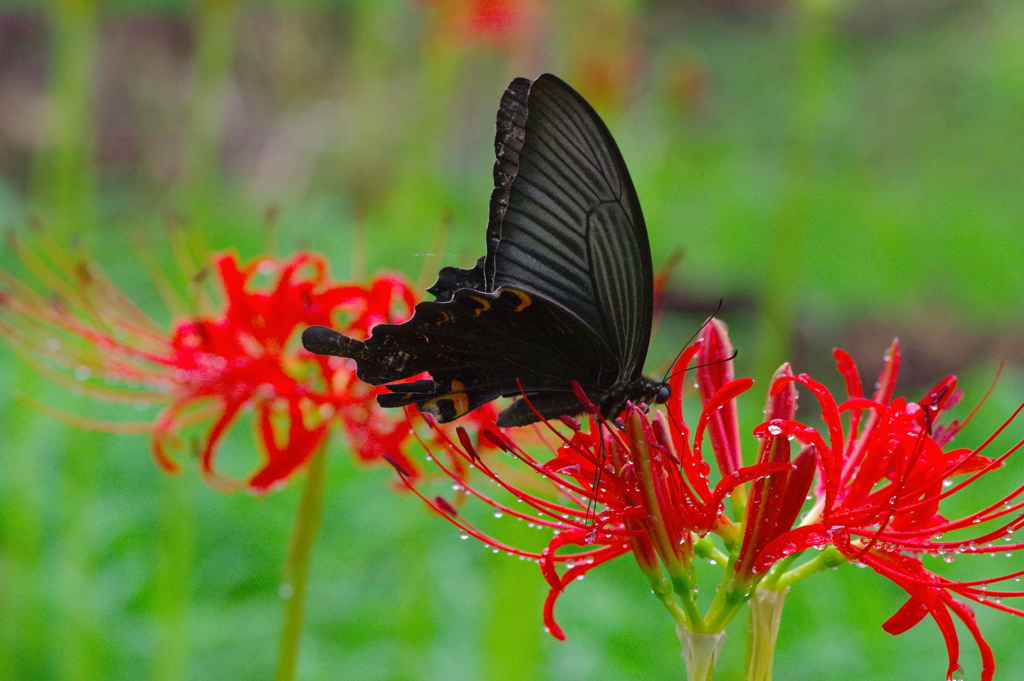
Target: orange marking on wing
484 305
525 300
460 400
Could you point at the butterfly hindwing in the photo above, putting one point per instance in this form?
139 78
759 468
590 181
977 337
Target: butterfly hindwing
476 347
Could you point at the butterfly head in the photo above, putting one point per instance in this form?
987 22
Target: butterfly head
641 391
659 392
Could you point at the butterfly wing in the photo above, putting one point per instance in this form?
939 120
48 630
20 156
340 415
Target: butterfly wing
564 293
565 221
477 347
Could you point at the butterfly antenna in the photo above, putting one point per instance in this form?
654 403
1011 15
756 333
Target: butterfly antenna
701 366
689 340
669 376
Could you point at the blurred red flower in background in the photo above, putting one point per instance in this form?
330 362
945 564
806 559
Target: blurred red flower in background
509 25
211 367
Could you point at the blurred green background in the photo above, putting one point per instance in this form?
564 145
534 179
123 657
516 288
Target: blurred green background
837 173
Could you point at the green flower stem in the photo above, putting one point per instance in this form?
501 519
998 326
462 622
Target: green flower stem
75 651
705 548
763 632
296 567
700 652
25 630
215 42
663 589
779 569
729 598
827 559
64 175
725 606
172 579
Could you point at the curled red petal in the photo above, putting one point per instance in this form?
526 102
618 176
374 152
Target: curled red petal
794 541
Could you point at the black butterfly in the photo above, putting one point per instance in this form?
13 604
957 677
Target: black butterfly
565 292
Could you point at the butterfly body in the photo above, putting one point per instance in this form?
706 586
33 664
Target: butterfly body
564 294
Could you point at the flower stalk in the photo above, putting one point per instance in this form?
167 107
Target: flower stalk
700 651
763 632
296 565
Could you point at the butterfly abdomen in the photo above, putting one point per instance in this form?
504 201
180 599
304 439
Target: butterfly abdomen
376 362
325 341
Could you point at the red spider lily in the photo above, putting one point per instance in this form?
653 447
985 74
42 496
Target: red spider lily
505 24
882 477
214 367
639 487
642 485
775 500
714 370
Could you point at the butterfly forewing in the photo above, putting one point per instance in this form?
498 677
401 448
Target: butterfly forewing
565 220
